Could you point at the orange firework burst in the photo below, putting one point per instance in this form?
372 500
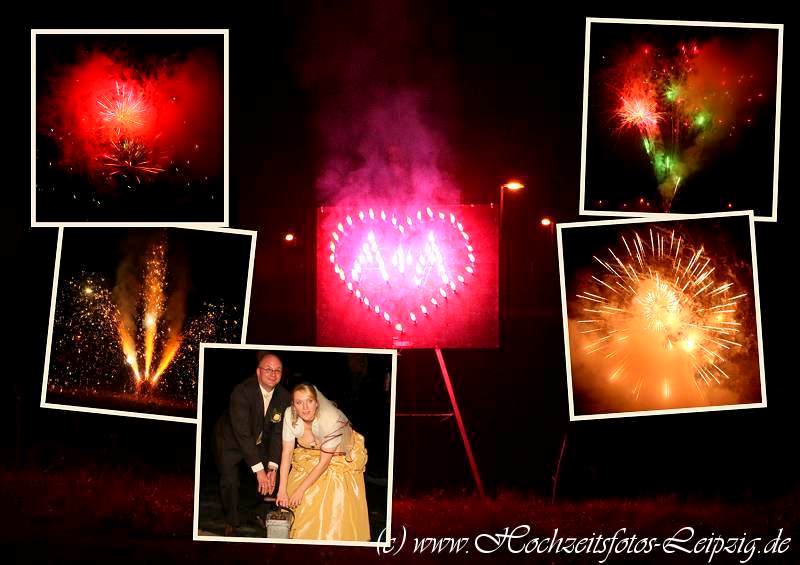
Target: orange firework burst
658 320
153 299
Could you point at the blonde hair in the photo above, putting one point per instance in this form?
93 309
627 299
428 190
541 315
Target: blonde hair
310 389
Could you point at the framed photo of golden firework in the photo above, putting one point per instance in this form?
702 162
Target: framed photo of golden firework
661 317
129 310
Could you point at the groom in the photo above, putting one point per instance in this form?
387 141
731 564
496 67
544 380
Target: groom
251 430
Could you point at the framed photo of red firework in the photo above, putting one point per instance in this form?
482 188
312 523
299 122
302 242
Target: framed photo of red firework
129 127
661 316
680 117
129 310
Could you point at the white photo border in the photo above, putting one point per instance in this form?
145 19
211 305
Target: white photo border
53 298
565 318
225 222
385 535
582 210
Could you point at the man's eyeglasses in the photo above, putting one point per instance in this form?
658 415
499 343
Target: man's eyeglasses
277 371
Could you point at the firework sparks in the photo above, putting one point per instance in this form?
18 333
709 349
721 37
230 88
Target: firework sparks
130 160
113 124
640 112
153 301
123 117
681 102
159 325
123 110
170 350
129 342
90 324
658 319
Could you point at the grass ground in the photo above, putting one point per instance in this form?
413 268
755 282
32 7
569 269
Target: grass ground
97 514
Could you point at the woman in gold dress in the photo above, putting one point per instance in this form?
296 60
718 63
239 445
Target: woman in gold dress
322 470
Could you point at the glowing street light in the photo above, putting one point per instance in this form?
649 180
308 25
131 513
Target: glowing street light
289 237
546 222
513 185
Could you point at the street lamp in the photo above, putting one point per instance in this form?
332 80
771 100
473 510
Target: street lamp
512 185
548 224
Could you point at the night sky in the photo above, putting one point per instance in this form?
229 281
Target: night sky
498 90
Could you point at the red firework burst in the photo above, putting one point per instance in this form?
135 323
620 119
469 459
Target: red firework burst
130 160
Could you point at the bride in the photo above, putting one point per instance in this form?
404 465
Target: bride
325 485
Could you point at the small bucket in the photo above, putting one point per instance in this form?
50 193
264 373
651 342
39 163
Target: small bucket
278 522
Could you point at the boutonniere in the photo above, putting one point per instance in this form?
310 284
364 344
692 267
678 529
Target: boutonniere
276 416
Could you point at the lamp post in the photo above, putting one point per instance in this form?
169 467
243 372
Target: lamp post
512 185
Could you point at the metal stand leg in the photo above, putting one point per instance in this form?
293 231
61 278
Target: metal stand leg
557 474
472 464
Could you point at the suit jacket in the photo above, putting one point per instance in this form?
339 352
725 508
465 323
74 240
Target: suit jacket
241 425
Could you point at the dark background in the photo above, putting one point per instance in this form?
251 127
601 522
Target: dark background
507 84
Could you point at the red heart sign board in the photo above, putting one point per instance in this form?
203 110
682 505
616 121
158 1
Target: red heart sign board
423 276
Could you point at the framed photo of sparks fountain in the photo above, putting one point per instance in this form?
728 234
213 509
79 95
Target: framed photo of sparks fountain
680 117
129 127
129 309
295 445
661 317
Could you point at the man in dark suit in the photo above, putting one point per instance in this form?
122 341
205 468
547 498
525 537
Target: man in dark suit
250 430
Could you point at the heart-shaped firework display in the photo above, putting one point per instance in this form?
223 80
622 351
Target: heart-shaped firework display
403 267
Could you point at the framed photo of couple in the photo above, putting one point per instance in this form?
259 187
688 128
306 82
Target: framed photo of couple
294 444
